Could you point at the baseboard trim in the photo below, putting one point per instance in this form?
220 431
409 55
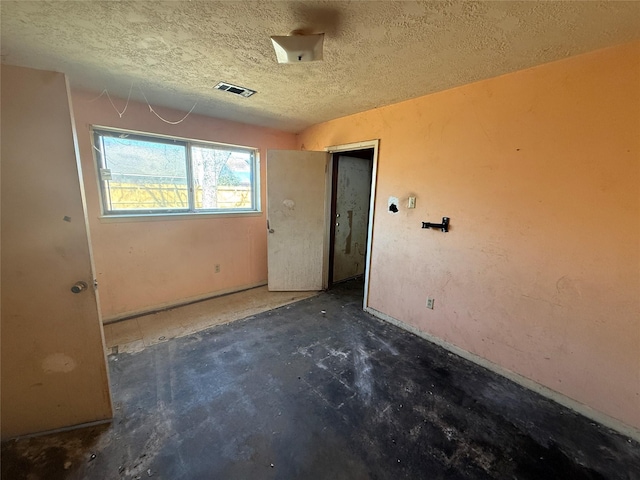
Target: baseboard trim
60 430
584 410
180 303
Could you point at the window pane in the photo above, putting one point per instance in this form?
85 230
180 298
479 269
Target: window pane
145 175
222 179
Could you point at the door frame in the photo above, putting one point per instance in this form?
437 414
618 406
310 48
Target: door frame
336 149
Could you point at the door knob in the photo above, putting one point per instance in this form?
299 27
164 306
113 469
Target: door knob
79 287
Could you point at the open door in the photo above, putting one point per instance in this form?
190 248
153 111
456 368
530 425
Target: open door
54 370
296 222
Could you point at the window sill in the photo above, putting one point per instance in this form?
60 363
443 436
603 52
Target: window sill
163 217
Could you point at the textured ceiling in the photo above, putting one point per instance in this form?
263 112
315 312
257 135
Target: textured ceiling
376 53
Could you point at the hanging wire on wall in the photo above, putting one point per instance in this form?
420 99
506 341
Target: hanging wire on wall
120 114
164 120
105 91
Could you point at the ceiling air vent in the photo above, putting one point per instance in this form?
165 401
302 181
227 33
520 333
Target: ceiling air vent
227 87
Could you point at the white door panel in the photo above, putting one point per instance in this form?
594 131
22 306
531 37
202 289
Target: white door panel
296 219
54 371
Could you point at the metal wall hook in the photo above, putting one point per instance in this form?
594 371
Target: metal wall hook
79 287
444 226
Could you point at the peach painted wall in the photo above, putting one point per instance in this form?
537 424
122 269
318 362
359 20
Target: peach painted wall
539 171
54 369
141 265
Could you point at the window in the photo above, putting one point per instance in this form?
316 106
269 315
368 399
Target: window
145 175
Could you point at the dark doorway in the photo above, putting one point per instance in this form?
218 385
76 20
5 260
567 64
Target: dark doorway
350 202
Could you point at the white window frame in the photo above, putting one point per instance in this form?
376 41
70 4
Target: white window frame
97 132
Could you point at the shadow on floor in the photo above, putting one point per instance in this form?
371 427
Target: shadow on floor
320 390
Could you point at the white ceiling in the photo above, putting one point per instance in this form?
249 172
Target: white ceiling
376 52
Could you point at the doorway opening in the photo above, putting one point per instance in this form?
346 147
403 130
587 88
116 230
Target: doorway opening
303 199
349 219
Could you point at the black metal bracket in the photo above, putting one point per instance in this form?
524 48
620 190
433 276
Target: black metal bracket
444 226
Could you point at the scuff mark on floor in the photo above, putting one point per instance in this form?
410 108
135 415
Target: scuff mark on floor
161 430
306 350
363 377
390 348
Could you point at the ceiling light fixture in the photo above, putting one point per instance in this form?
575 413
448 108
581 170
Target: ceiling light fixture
298 47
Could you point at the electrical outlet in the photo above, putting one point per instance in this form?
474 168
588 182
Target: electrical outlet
412 202
430 302
217 268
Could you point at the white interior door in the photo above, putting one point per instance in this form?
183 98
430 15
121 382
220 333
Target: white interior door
296 182
54 371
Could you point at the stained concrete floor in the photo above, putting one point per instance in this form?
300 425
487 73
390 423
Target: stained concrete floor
320 390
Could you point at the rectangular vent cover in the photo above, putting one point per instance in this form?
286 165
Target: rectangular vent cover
227 87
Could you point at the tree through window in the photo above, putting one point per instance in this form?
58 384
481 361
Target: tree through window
222 178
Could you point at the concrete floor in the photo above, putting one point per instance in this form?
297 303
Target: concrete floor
134 334
320 390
